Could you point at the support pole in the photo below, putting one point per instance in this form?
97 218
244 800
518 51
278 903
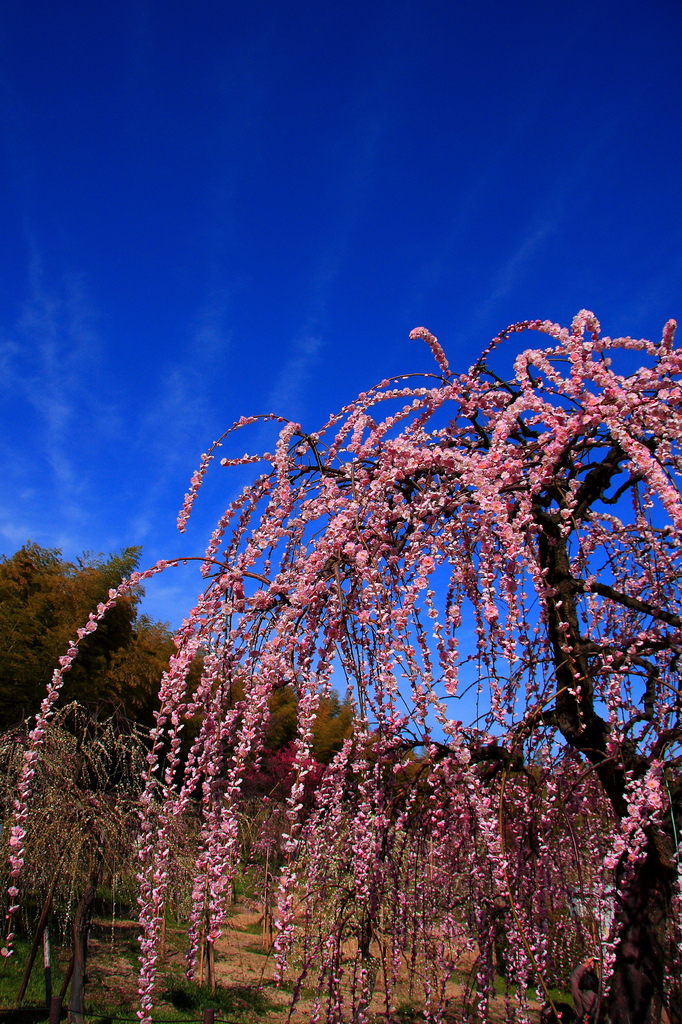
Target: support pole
210 966
47 964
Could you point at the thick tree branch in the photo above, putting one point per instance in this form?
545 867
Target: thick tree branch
635 604
597 481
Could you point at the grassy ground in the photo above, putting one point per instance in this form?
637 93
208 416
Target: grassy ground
245 993
111 989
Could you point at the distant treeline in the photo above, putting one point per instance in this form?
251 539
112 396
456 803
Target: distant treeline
43 602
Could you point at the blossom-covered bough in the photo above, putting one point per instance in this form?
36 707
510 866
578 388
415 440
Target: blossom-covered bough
491 564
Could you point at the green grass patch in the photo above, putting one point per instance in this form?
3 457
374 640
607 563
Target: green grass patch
406 1013
250 929
236 1000
12 969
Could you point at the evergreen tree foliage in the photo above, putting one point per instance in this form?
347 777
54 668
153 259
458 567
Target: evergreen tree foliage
43 601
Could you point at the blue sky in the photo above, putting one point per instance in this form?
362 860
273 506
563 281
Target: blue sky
212 208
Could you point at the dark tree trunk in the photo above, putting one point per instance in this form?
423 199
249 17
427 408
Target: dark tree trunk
81 927
636 993
644 914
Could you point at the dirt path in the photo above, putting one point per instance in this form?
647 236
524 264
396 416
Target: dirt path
243 959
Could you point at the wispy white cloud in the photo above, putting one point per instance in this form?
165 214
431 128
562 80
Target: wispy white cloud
550 215
289 386
286 394
60 346
49 359
514 268
180 415
662 291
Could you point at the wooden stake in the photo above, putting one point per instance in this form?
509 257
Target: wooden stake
210 965
202 950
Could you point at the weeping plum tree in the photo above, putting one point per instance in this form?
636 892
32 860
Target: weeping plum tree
493 561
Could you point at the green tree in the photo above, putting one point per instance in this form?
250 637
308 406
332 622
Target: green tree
135 669
333 723
43 601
